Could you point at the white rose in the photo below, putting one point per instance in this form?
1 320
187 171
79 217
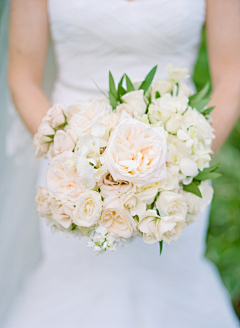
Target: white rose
88 209
55 116
176 73
41 141
135 99
43 201
147 192
110 187
164 107
172 204
169 228
89 112
162 86
129 200
124 108
136 152
63 141
110 121
63 182
116 219
62 214
148 227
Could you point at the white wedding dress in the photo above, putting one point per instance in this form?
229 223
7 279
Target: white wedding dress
133 287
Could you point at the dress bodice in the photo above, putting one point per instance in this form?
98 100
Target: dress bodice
91 37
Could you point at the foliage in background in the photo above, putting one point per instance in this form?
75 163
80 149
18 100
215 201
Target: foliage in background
223 240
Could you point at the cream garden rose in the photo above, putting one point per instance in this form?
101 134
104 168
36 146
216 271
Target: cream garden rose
63 182
110 121
55 116
88 209
116 219
89 113
41 140
63 141
124 108
43 201
62 214
136 152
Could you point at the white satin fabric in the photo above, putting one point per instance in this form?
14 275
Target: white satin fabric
134 286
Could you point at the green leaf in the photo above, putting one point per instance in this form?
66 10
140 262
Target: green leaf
157 95
161 213
49 135
121 90
61 126
200 95
148 80
208 110
177 84
48 142
129 84
212 168
207 176
99 89
160 246
112 87
193 188
201 104
136 217
113 100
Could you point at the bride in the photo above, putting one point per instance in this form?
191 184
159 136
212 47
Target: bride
132 287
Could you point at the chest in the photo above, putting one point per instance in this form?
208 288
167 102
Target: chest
142 23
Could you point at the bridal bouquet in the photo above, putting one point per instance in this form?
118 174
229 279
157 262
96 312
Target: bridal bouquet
132 164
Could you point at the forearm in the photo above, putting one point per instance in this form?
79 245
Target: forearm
31 103
226 100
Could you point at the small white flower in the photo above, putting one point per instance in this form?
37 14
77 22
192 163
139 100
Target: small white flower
188 167
135 99
176 73
102 240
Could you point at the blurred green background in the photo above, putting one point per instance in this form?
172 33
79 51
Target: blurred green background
223 239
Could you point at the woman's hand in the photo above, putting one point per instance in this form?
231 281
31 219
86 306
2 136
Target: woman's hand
223 36
27 53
